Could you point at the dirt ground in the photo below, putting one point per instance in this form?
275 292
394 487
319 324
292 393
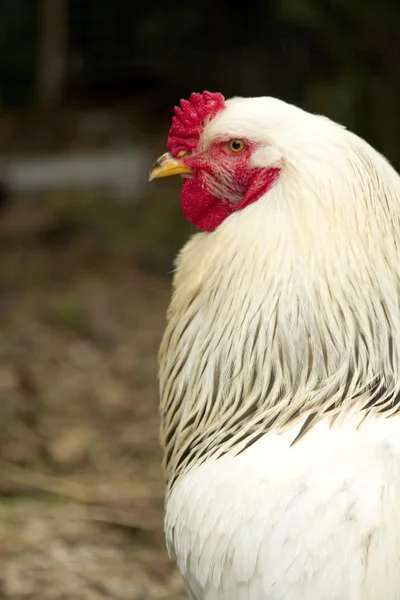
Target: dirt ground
84 287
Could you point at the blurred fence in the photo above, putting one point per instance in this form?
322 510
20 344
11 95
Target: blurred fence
336 57
50 50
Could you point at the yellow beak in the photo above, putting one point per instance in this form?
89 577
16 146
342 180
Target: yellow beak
168 165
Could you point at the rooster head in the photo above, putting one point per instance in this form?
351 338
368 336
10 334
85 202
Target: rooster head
252 151
218 150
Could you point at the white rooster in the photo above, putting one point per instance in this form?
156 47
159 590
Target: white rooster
280 364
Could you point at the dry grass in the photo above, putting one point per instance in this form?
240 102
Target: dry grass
83 293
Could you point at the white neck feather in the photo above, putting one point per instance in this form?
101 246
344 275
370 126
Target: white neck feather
290 308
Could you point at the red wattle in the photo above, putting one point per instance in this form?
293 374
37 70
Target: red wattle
200 207
207 212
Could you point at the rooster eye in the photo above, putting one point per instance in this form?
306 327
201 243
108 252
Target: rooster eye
236 146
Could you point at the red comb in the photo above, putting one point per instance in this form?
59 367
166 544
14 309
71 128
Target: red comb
190 119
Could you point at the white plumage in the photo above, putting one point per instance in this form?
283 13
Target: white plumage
316 521
285 320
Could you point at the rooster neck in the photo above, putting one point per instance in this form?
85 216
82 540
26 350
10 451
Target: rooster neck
280 314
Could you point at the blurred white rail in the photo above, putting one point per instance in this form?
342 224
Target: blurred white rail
121 173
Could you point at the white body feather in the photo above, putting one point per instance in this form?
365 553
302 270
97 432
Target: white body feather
289 309
318 521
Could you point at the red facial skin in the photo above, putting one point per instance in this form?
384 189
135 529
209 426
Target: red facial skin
223 181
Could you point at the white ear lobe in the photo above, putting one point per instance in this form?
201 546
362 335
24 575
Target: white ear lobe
267 156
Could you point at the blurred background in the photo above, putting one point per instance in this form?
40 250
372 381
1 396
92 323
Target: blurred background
87 89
